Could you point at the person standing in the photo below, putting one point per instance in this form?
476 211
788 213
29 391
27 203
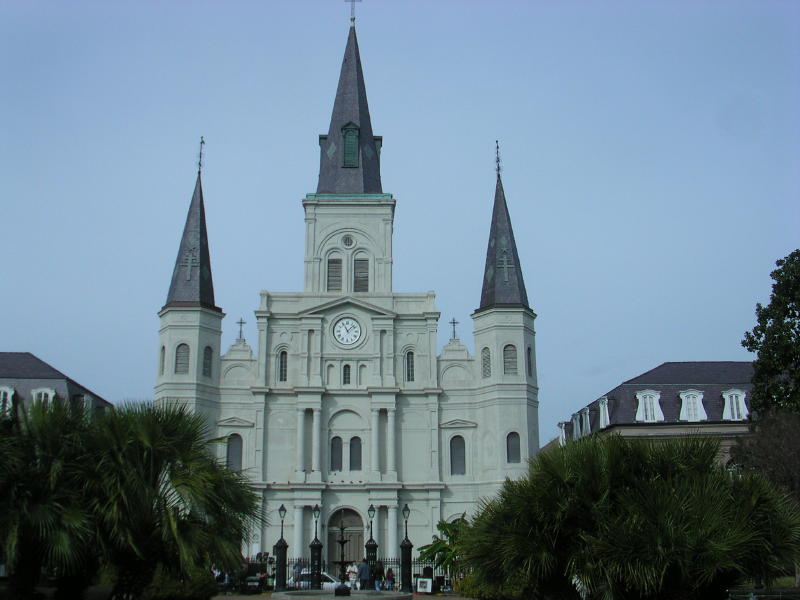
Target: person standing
389 579
378 574
363 574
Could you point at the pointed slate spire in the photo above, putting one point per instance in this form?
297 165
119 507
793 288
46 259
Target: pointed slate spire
349 154
503 285
192 284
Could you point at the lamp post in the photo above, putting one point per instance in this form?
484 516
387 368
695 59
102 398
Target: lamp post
279 550
316 554
342 542
405 556
371 548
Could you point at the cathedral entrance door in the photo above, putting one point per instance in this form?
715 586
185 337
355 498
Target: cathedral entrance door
353 533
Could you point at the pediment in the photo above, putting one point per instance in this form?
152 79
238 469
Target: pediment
348 301
234 422
458 424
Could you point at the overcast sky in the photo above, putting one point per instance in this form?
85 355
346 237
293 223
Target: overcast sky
650 154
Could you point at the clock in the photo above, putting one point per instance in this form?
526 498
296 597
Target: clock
347 331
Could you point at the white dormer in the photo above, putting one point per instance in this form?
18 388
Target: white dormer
43 395
586 426
692 408
735 408
576 426
649 408
605 421
562 434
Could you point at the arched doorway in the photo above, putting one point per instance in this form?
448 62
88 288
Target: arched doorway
353 533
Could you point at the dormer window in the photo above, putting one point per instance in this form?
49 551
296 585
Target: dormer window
735 409
692 409
43 395
649 409
350 136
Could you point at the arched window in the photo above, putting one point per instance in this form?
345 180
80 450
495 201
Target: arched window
336 454
529 361
162 360
346 375
512 447
409 366
361 275
350 135
283 366
457 459
355 453
334 274
182 359
234 454
486 363
208 355
510 360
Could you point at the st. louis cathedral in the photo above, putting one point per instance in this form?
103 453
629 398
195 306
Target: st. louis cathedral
344 403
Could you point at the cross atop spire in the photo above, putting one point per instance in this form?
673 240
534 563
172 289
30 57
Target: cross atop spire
352 11
200 155
497 157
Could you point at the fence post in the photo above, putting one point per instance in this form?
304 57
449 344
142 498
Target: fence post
279 550
405 566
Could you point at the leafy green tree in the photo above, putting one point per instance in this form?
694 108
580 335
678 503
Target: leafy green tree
616 518
43 517
776 341
160 499
444 550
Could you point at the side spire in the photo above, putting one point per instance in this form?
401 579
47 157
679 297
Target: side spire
503 285
192 284
349 154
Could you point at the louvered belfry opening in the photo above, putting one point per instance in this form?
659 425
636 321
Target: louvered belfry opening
510 360
334 274
208 357
361 275
182 359
486 363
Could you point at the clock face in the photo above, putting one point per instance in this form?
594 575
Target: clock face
347 331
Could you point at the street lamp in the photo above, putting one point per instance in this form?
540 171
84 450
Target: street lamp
279 550
405 556
316 554
371 513
371 548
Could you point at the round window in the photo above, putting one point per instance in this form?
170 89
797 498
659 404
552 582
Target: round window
347 240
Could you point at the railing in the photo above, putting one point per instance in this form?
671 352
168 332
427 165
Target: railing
763 594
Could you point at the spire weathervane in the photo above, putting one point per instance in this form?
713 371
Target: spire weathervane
497 157
200 156
352 10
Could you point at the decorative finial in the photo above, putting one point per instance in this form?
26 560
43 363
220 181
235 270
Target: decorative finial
352 10
200 156
240 323
497 157
453 322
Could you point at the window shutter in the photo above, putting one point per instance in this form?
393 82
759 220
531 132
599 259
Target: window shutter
355 454
334 274
162 360
486 363
282 366
346 375
457 462
361 275
510 360
234 457
182 359
409 366
208 357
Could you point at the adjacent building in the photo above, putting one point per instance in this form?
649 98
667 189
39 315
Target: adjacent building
344 401
675 398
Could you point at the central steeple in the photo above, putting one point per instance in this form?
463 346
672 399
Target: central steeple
350 155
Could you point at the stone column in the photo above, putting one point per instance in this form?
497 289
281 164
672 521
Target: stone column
315 441
374 460
296 550
301 440
392 545
391 458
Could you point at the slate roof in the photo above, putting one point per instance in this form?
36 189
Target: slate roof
192 284
503 285
22 371
350 106
670 378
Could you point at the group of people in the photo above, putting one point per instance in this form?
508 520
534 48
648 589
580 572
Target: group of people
361 575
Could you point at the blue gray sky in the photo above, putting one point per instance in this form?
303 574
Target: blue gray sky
650 161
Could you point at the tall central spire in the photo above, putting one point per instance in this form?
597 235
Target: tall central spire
349 154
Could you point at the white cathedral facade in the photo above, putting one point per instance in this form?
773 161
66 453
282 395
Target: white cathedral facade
345 403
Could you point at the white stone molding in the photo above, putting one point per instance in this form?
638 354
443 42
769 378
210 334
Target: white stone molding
586 425
562 434
235 422
649 407
458 424
576 426
692 408
735 408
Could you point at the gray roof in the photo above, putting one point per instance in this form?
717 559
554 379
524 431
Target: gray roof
711 378
502 277
24 371
192 284
350 107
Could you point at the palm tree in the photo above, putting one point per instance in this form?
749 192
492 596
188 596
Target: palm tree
161 499
43 518
607 517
